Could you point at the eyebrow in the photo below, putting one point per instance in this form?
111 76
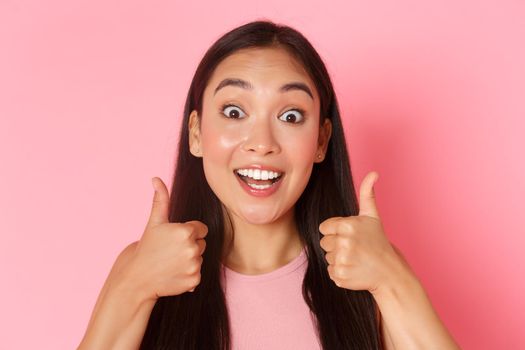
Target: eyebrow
246 85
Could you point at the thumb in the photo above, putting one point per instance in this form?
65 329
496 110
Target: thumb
367 203
161 203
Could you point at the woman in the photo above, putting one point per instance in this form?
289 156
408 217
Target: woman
263 183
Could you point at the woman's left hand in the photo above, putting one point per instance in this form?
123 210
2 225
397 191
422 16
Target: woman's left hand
359 254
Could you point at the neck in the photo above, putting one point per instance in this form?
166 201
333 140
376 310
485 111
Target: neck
258 249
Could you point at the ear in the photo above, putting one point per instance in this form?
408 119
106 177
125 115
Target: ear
325 132
194 134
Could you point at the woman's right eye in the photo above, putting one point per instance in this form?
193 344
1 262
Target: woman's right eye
232 112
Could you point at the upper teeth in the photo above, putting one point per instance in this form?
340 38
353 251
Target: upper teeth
258 174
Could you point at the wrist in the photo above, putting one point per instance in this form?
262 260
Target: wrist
131 290
399 285
400 280
118 309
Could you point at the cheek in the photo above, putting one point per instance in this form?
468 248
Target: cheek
217 137
301 147
301 151
217 148
217 140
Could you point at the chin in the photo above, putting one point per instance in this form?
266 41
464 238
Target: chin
256 217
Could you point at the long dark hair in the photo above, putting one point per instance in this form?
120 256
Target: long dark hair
345 319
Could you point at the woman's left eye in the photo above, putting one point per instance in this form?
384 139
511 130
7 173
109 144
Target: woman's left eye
293 117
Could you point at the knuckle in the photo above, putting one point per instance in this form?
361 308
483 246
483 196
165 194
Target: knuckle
203 249
185 230
342 259
347 225
195 265
192 251
195 280
192 269
328 258
338 271
343 242
188 232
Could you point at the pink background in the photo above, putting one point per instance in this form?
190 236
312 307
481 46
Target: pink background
91 96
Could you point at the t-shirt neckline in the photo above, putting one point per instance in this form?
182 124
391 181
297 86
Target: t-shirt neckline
279 272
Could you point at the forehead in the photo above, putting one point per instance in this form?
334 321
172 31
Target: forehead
263 67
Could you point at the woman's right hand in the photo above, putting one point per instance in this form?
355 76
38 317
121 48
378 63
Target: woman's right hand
167 259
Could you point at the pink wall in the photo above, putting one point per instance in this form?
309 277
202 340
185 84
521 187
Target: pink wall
91 94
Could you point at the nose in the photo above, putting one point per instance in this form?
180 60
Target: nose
260 139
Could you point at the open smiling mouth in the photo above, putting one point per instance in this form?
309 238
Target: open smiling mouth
259 184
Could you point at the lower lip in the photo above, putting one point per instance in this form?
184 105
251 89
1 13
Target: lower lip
260 193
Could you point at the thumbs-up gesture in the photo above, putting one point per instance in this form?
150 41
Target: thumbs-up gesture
359 255
167 259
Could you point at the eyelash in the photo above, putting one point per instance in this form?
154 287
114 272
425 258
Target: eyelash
300 110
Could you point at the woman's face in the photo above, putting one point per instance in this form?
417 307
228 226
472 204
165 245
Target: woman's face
262 125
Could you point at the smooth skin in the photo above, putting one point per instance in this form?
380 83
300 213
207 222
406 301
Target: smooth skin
168 257
263 125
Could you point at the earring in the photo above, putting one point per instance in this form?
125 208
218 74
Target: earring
319 156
